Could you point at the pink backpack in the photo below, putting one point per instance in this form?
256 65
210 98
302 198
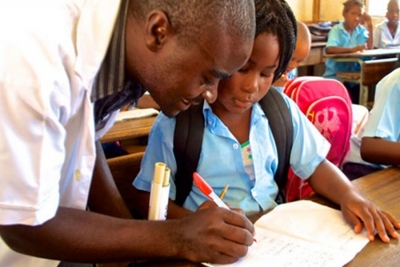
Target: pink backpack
327 104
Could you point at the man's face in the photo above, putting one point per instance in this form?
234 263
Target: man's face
179 76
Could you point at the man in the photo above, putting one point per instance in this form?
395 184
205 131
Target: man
59 56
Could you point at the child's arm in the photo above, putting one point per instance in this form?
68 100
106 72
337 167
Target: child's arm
343 50
368 24
328 181
380 151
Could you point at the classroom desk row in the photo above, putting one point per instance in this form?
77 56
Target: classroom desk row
375 64
383 188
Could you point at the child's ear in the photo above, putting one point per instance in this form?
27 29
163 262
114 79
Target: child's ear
158 30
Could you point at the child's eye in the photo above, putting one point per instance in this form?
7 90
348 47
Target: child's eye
243 70
267 74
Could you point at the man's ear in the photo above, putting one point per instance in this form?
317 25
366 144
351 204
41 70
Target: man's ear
158 30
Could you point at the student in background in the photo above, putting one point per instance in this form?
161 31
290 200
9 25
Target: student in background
387 33
346 37
379 144
56 59
237 137
301 52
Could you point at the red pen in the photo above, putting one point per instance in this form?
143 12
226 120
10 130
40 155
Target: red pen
206 189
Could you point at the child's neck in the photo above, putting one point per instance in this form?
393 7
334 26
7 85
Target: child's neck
348 29
238 124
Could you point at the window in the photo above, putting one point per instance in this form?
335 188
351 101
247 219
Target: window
377 8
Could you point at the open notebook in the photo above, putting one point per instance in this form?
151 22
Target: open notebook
136 113
302 233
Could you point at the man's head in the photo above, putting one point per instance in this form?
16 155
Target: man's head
392 13
303 46
180 49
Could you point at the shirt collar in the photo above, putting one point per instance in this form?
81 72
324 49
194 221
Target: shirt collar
111 77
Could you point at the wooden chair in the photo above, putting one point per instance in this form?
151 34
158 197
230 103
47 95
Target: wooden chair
124 170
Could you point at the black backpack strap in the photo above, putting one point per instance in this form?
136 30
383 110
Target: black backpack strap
188 139
280 121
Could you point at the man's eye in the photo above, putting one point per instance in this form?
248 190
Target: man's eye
207 81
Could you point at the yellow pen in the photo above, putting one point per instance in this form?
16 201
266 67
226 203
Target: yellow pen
221 196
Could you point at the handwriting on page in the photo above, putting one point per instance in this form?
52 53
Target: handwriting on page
303 233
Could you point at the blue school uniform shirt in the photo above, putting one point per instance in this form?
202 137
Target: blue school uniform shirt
221 160
339 37
384 118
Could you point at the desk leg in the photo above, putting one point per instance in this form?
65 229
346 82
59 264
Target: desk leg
363 100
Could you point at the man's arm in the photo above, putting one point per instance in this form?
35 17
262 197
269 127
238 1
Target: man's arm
104 196
211 235
380 151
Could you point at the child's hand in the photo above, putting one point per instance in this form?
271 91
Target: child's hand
360 47
366 19
360 212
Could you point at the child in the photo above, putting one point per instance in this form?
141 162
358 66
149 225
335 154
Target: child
346 37
303 46
237 137
387 33
379 144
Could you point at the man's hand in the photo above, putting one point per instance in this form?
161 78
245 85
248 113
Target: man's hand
360 212
215 235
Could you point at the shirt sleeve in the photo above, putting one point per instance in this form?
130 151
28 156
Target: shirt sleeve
334 38
384 118
377 36
159 149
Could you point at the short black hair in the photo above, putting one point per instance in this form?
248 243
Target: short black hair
276 17
350 3
194 19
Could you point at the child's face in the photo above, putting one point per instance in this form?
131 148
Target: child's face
300 54
352 17
392 13
249 84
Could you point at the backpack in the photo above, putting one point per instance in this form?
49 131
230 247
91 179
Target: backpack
188 138
327 104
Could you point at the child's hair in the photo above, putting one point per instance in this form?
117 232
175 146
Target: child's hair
276 17
350 3
392 2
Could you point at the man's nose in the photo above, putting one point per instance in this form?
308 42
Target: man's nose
210 95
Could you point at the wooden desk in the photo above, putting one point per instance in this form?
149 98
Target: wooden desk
383 188
129 129
372 71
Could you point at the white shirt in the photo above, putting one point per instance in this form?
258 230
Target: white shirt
50 53
383 38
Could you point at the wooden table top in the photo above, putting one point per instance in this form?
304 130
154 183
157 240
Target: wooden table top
383 188
129 129
370 52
